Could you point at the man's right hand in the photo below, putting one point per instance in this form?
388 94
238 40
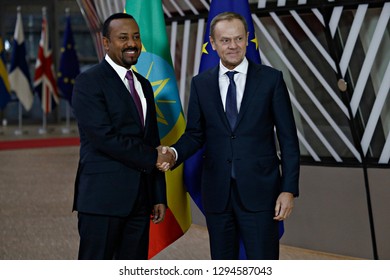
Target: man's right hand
165 159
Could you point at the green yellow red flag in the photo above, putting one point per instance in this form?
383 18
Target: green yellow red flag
155 63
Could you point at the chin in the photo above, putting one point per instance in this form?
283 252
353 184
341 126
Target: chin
131 63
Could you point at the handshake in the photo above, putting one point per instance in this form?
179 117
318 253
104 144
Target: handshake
166 158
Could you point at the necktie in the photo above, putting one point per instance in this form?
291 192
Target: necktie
134 94
231 100
231 107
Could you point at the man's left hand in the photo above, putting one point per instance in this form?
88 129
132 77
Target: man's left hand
284 206
158 213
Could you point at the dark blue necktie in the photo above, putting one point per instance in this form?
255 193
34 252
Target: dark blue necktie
231 107
134 94
231 100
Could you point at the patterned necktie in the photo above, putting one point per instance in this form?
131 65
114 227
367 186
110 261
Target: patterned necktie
134 94
231 100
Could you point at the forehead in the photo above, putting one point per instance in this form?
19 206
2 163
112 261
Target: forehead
124 25
228 28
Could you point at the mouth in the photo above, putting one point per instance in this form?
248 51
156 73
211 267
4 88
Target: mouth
130 52
235 54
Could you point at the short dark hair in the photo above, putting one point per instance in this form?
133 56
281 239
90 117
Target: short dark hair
229 16
106 24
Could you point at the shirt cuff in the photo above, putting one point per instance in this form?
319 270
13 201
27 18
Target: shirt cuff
174 150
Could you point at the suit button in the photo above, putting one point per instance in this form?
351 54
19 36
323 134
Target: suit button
233 136
229 161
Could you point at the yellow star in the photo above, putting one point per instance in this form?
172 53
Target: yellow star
161 84
254 40
204 48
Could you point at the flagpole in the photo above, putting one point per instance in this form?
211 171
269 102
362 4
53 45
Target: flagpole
66 129
19 130
3 122
42 130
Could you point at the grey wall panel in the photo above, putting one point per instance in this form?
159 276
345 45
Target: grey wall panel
331 213
379 180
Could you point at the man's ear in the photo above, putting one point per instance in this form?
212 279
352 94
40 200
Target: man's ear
106 43
212 42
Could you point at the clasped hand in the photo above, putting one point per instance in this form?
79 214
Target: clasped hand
166 158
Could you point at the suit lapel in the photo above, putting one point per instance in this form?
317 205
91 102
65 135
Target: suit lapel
251 88
149 96
214 95
116 86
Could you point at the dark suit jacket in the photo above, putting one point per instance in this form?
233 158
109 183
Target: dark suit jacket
115 150
250 146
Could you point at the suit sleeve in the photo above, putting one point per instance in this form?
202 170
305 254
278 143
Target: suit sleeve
193 138
287 137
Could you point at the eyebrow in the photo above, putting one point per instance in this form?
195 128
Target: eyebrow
234 37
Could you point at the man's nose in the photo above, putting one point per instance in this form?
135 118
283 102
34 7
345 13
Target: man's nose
130 42
233 44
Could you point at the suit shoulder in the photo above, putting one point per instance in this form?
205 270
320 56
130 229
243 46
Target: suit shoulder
93 71
268 69
206 74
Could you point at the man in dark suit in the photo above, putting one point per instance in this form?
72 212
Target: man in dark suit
118 186
246 189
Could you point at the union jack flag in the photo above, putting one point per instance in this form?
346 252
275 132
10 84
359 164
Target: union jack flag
45 79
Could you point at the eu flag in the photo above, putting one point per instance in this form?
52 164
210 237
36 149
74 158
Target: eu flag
69 64
209 57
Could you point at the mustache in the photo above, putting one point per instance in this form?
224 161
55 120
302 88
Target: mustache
130 49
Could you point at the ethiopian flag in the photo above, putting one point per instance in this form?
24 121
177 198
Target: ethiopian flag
155 63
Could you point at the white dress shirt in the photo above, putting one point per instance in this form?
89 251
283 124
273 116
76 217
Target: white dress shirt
121 71
239 79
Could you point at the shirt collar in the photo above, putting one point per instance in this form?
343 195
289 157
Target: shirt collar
240 68
120 70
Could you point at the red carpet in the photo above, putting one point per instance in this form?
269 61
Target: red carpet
39 143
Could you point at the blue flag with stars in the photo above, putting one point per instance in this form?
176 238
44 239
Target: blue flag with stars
210 57
69 64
